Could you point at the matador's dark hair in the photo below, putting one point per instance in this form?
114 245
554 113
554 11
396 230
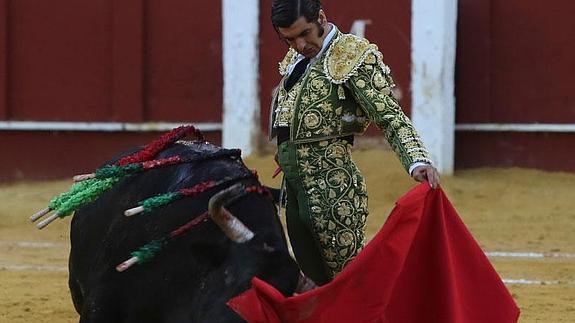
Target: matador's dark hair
286 12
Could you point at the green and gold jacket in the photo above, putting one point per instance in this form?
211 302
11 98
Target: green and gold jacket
339 94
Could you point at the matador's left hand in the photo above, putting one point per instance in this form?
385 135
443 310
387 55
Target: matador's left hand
426 173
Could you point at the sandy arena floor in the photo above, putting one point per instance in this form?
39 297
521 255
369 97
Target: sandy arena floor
507 210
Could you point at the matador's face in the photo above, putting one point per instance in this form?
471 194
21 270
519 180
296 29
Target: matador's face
305 37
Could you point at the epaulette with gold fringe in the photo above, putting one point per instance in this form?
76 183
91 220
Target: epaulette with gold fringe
287 61
347 53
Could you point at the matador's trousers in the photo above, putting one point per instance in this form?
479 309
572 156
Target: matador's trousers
326 205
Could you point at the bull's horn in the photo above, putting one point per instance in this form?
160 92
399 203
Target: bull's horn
230 225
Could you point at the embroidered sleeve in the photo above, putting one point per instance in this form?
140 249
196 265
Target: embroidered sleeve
371 86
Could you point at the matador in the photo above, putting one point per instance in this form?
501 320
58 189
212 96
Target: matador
333 86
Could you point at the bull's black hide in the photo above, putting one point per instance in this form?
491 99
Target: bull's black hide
196 274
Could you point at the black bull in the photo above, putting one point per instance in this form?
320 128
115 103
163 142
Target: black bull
196 274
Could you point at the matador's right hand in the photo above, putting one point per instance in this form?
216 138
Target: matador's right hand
426 173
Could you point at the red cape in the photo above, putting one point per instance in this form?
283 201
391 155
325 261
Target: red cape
422 266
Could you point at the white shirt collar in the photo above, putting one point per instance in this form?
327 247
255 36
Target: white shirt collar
326 42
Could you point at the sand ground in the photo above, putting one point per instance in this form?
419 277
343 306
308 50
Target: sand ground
510 210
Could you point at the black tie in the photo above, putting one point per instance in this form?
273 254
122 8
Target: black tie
296 73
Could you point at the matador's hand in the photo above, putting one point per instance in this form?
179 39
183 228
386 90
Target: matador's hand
426 173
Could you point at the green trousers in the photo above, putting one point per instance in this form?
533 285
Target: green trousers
326 205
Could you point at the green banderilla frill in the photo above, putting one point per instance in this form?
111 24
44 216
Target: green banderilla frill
57 201
150 250
117 171
155 202
88 193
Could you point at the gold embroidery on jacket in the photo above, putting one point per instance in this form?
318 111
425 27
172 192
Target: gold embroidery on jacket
288 60
286 105
320 108
317 115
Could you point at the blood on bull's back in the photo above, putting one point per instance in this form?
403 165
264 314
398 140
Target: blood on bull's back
188 277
